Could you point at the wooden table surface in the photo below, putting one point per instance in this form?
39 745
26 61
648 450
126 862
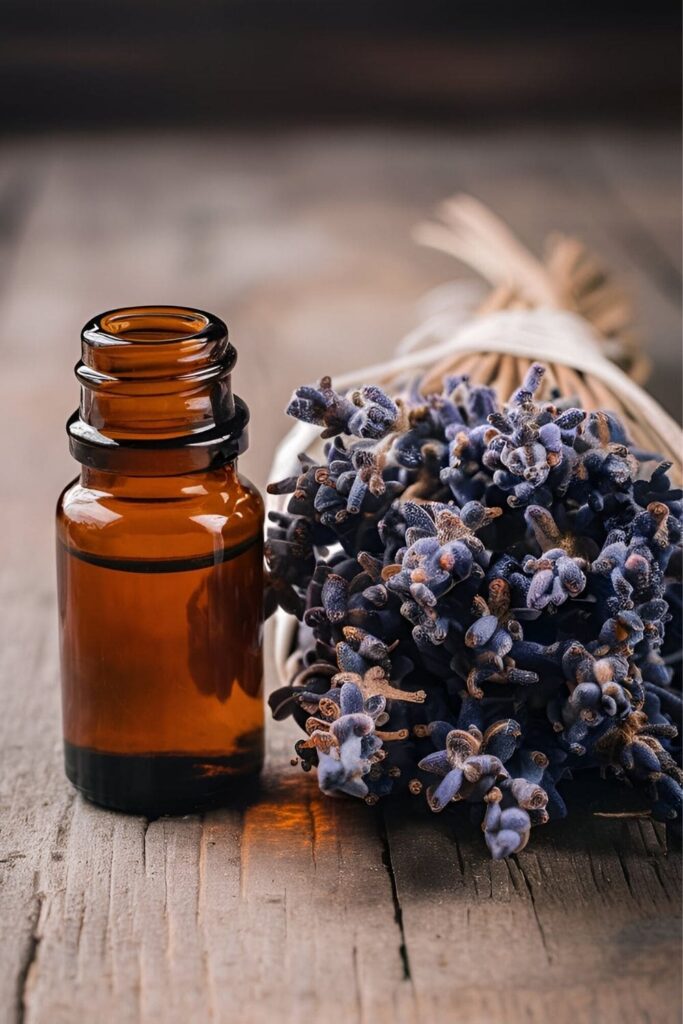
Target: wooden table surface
297 908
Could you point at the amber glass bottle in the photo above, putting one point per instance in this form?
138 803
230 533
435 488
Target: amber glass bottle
159 563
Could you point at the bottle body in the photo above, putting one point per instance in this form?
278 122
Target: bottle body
160 627
160 607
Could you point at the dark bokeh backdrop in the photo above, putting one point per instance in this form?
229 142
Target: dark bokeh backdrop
122 62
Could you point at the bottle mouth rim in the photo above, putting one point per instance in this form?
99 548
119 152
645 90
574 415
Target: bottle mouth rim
154 325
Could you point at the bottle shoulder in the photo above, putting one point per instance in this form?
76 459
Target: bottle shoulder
159 517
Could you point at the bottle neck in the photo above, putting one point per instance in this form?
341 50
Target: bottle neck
161 488
156 393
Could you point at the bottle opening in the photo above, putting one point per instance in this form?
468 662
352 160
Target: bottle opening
149 324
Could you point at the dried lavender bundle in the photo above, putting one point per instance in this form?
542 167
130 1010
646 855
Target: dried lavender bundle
489 600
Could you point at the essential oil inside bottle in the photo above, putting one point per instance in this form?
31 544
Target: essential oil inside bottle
159 559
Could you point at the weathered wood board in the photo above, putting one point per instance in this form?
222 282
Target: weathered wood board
295 908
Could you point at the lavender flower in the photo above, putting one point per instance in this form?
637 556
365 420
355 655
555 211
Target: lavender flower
488 594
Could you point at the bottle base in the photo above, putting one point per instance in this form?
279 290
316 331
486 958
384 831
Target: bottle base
154 785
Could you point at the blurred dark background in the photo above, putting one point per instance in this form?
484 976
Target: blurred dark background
102 63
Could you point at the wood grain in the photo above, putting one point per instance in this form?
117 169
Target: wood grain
296 907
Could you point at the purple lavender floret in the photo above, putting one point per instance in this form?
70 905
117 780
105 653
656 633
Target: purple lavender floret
376 415
468 768
489 601
555 577
531 446
442 551
321 405
345 739
506 830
